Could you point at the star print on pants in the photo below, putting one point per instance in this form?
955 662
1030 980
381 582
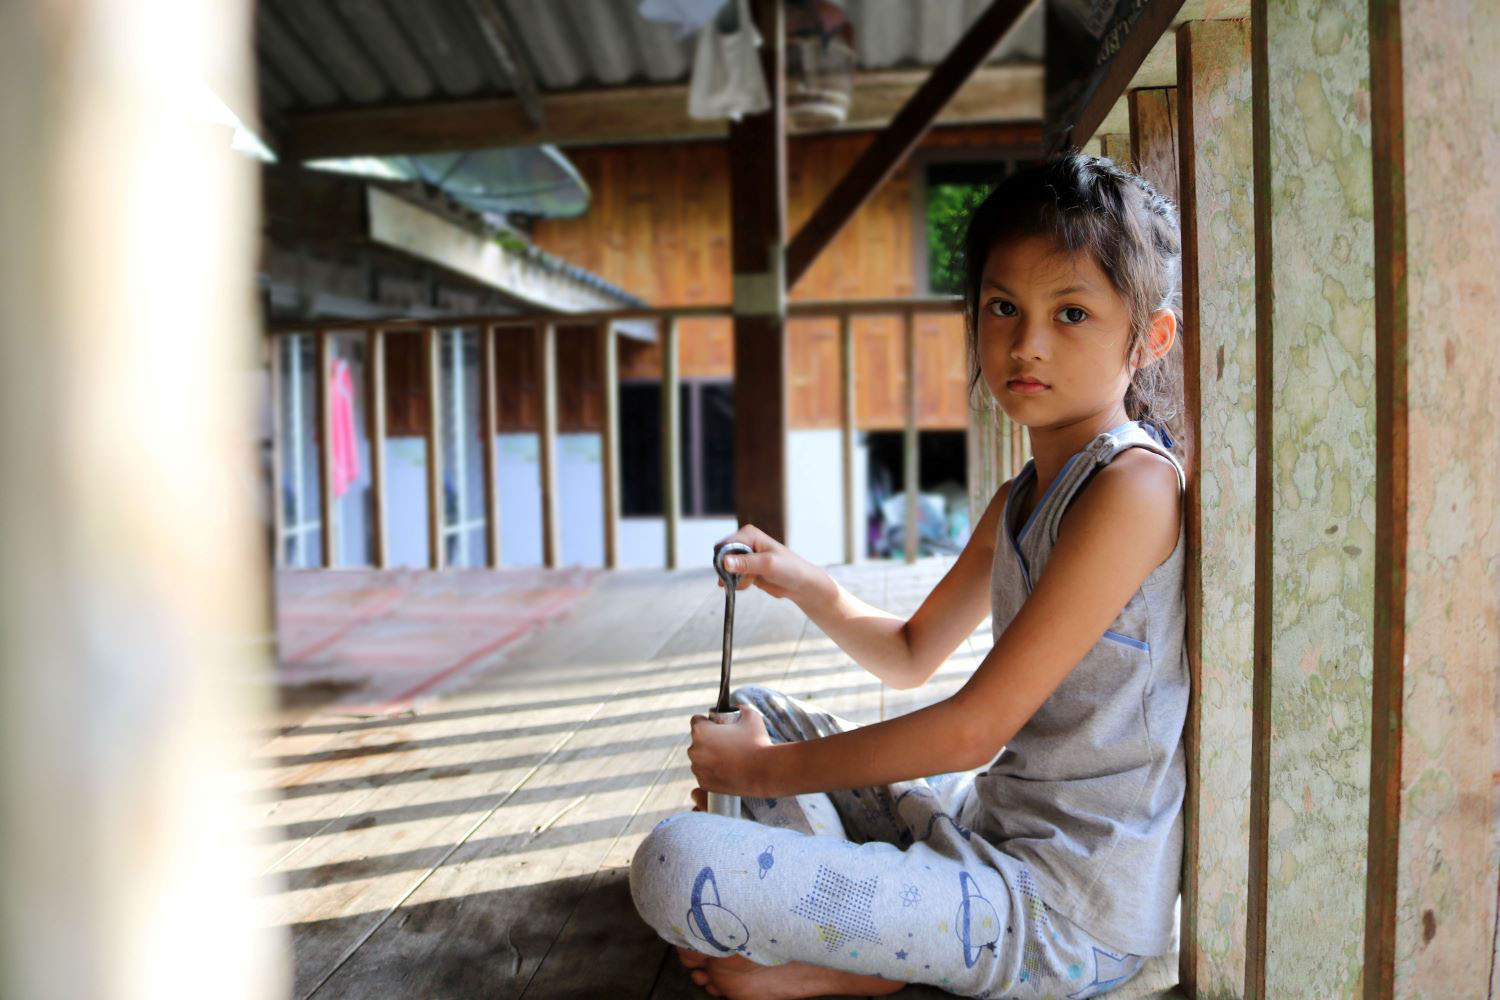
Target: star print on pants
842 908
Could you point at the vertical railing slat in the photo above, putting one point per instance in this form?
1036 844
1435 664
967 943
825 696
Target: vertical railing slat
671 438
609 451
846 389
909 450
375 400
489 423
432 347
324 345
547 356
278 505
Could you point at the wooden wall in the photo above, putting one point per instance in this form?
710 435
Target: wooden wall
659 227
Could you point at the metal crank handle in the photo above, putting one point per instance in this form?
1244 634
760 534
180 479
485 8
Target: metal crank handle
722 803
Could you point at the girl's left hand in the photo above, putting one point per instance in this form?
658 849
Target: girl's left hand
728 757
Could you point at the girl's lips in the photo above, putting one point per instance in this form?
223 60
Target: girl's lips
1025 387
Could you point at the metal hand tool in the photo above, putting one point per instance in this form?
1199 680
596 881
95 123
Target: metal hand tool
719 802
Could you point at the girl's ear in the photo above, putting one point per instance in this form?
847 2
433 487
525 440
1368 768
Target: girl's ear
1159 338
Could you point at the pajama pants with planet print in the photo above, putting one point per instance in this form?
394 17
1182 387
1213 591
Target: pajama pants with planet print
881 881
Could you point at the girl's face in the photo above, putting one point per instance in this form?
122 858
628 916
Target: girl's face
1052 334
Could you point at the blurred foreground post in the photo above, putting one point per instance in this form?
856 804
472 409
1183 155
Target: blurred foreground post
131 589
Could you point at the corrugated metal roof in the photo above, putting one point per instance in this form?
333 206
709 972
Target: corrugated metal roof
351 53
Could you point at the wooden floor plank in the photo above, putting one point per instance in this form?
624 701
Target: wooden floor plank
604 932
443 940
450 771
481 846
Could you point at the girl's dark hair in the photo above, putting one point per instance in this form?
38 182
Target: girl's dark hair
1089 203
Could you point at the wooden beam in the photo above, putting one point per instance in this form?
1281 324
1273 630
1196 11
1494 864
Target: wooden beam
419 232
376 402
501 43
1152 22
757 205
323 344
1430 901
609 367
607 116
671 440
1153 137
1316 567
547 359
488 400
1218 304
432 352
885 154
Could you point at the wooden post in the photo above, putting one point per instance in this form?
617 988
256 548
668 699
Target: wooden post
323 341
1430 902
1218 286
432 351
488 400
757 186
376 402
1153 137
609 451
135 686
547 357
909 451
671 438
1316 499
852 531
278 459
1116 146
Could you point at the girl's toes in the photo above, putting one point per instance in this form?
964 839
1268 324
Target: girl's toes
690 958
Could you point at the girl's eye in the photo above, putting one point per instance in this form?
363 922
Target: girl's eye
1002 307
1073 314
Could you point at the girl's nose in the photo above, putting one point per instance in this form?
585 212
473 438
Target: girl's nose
1030 340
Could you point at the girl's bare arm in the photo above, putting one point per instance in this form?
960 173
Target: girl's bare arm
903 653
1120 528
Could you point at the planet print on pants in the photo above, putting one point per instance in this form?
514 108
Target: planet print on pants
976 923
711 922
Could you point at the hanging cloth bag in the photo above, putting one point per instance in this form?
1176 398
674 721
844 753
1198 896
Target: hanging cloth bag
727 80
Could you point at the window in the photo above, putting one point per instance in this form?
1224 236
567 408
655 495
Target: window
706 410
951 191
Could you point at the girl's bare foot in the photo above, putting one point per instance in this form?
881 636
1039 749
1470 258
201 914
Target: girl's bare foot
738 978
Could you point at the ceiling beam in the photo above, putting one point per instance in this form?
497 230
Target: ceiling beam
1144 34
414 230
501 42
881 158
1010 92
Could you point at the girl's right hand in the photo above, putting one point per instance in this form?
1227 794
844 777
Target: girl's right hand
773 567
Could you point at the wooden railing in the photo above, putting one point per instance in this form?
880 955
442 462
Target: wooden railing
1009 447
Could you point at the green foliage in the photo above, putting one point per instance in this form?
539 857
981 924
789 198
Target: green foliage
948 208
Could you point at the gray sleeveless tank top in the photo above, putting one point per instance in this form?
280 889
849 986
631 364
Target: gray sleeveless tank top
1089 792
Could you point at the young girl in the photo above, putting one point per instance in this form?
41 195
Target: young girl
880 855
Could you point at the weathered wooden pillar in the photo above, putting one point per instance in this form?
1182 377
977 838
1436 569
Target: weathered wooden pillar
1116 146
133 646
1315 497
1218 298
757 184
1434 841
1153 136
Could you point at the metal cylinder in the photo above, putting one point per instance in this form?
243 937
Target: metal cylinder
720 803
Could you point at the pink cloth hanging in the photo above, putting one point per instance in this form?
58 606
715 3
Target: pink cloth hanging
341 420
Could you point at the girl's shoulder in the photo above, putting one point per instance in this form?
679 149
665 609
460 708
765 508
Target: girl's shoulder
1139 491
